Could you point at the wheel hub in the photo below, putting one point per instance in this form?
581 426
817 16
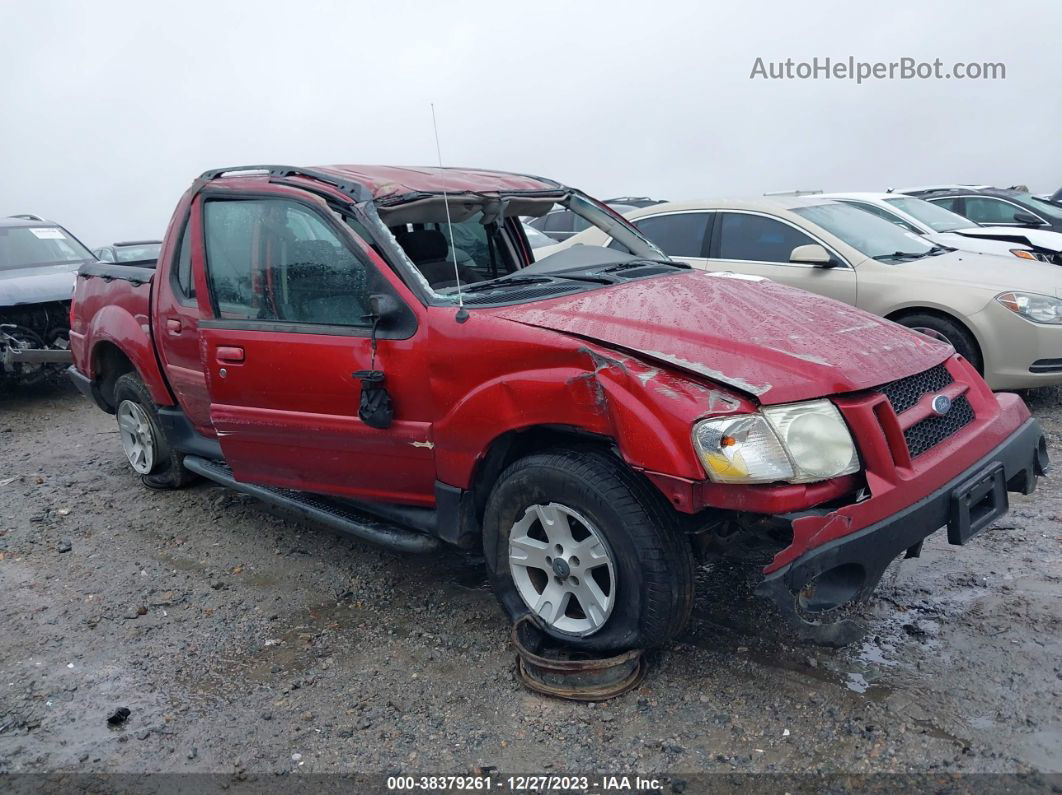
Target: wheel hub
563 569
137 440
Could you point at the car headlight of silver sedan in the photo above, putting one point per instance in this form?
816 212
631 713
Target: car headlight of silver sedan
1033 306
796 443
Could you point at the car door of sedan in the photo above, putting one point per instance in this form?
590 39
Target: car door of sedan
750 242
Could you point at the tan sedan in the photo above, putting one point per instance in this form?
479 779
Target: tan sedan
1004 315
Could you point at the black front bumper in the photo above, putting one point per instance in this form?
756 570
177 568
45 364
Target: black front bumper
848 568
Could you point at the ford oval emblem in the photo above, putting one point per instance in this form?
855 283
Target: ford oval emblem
941 405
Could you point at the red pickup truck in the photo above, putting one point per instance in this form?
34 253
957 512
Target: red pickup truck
377 349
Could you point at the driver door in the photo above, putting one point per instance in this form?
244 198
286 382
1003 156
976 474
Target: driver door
289 294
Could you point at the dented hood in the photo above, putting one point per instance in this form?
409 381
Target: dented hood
37 285
774 342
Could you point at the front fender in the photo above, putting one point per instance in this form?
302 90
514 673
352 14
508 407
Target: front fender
648 412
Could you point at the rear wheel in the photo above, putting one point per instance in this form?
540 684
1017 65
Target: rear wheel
578 541
145 446
946 330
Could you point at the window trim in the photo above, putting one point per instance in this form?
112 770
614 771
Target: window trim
175 264
404 328
843 262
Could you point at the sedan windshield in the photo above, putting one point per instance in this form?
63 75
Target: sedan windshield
868 234
932 215
29 246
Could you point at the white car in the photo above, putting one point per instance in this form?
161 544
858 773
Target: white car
950 229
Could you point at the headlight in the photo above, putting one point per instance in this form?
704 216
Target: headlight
1024 253
1032 306
798 443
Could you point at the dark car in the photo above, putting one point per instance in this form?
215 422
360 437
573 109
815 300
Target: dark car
38 267
132 252
996 206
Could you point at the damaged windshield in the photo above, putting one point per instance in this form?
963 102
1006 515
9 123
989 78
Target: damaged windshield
30 246
479 244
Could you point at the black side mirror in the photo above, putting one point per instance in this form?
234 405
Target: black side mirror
1028 219
383 307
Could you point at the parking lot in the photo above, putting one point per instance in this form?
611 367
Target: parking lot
245 642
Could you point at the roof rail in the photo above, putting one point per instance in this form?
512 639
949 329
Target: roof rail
27 217
355 190
793 192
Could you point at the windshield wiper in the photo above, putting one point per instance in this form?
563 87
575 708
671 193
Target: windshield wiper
642 263
499 283
938 250
904 255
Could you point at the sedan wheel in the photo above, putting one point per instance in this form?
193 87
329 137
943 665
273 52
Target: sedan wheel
562 568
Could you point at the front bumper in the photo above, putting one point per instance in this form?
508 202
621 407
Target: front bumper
849 567
1016 350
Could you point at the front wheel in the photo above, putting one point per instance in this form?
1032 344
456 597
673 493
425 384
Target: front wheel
944 330
577 540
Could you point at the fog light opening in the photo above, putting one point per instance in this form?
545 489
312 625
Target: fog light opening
833 588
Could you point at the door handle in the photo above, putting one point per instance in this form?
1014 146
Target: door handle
230 353
173 325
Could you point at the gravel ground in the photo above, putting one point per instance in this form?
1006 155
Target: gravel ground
244 642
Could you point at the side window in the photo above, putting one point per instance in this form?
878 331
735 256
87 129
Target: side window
677 235
758 239
985 210
884 214
560 221
273 259
185 283
948 203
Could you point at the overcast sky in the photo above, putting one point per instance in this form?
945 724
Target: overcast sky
110 109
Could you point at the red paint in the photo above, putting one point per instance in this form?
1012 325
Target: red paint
637 364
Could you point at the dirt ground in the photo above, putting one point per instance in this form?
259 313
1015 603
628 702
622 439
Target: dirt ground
243 642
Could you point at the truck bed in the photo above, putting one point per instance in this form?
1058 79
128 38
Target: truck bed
110 302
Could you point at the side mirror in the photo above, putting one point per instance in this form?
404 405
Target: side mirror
383 307
813 254
1028 219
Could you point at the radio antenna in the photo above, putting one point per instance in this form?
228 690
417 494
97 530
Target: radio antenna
462 315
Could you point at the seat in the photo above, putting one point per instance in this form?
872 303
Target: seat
428 249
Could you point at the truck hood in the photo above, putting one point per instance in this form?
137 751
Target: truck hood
37 285
774 342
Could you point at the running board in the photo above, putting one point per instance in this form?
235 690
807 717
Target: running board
319 509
